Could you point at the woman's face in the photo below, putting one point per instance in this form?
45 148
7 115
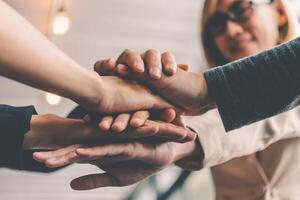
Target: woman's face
240 39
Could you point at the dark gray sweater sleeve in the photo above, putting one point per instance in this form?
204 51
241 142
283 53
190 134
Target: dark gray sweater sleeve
14 123
257 87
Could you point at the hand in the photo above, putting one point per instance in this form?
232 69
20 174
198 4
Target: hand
125 163
52 132
151 131
185 89
121 121
154 62
118 95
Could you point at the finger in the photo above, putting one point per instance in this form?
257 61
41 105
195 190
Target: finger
105 67
124 72
43 156
172 132
118 153
141 132
157 129
105 123
106 151
132 60
121 122
138 118
66 159
87 119
104 160
169 63
152 60
93 181
179 121
165 115
168 115
184 67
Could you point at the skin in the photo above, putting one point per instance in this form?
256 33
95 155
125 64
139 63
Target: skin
239 40
29 57
148 157
117 160
253 36
51 131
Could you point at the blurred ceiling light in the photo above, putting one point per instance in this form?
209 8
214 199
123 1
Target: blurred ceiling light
53 99
61 23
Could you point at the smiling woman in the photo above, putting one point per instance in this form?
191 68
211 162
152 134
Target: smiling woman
242 12
232 30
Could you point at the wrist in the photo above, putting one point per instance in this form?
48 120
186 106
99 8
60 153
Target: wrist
31 137
207 102
90 91
190 156
51 132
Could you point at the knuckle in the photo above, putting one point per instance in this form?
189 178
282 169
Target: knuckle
98 63
125 54
128 152
152 52
109 62
168 57
167 53
182 135
128 51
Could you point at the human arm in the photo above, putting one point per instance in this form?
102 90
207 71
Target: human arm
219 146
29 57
124 163
244 91
257 87
22 130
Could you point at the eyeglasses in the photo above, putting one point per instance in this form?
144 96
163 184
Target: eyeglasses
240 11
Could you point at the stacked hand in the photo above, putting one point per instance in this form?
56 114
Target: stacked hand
186 90
122 91
128 161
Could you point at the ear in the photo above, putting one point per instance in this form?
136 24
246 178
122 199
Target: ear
282 15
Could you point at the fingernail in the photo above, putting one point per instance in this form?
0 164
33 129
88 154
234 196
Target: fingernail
118 127
104 126
51 163
51 160
74 185
37 156
36 153
156 72
139 67
122 68
80 151
173 68
136 123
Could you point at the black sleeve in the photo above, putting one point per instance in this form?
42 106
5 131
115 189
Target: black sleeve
14 123
257 87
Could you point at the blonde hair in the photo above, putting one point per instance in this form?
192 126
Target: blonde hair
288 32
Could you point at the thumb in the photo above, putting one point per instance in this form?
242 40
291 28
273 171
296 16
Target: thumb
184 67
105 67
93 181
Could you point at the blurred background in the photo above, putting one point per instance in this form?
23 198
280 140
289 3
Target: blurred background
88 30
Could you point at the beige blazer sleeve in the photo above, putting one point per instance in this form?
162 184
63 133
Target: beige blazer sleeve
219 146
